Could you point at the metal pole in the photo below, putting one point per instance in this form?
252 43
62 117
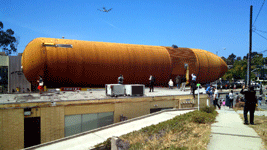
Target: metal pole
263 68
198 97
250 47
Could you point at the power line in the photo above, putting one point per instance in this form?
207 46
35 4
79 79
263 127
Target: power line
261 35
258 13
261 31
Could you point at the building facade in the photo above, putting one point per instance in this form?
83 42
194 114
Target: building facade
11 75
16 77
4 64
27 124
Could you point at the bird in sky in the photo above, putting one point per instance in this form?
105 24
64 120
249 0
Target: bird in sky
105 10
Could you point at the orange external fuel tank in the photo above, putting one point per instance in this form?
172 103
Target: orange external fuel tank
63 62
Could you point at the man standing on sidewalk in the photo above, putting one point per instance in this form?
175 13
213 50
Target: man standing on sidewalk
250 103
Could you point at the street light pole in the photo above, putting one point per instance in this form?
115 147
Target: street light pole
217 79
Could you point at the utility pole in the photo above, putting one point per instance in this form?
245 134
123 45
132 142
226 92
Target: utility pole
250 47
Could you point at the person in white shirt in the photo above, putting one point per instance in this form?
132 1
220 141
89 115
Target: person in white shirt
231 97
216 98
194 77
193 84
170 84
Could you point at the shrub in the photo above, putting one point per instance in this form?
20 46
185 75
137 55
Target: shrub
136 146
106 145
178 125
203 117
208 109
173 147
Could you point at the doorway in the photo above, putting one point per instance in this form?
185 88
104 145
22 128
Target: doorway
32 131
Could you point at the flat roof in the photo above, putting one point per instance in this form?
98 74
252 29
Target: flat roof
92 94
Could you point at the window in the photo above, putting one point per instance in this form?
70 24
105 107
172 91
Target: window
72 124
75 124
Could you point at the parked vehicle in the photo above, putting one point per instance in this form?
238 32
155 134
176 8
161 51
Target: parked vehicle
237 85
255 84
223 84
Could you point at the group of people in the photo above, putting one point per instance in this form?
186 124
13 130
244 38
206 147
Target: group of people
179 80
152 81
249 98
213 95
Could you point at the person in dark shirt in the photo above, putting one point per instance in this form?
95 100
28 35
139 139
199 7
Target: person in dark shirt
250 103
183 80
151 83
120 79
178 81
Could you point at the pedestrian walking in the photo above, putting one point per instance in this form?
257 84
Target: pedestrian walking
178 81
193 84
183 80
151 83
170 84
120 79
260 98
250 103
221 84
231 97
210 93
41 85
216 98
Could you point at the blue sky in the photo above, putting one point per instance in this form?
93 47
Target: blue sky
212 25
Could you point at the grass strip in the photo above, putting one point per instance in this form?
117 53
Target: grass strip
260 127
187 131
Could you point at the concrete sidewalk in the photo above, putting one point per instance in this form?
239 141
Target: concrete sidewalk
230 133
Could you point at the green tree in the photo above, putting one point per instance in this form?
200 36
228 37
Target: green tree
8 41
231 59
225 60
239 70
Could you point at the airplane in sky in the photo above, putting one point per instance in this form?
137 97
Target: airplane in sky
105 10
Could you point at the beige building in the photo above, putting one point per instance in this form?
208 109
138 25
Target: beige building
27 124
4 64
11 75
